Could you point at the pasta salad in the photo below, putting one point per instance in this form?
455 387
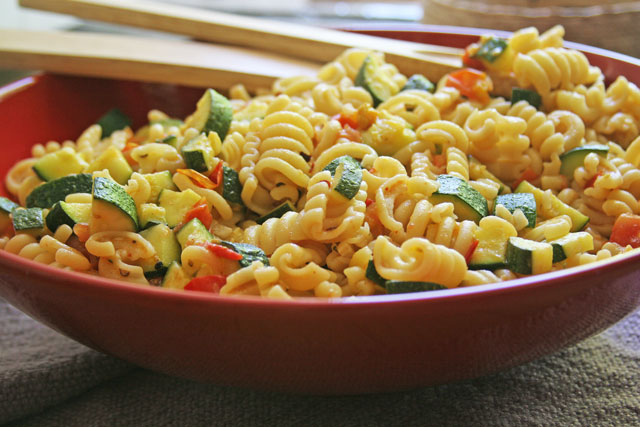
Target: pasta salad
356 181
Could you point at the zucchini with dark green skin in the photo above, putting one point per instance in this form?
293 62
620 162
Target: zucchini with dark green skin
176 204
277 212
373 275
528 256
112 160
28 221
112 121
175 277
571 244
250 253
467 201
69 214
374 80
6 207
400 287
47 194
530 96
491 49
349 175
192 232
574 158
419 82
526 202
167 248
213 114
198 154
159 181
112 208
231 186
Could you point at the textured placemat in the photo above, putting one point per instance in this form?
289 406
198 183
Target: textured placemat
48 380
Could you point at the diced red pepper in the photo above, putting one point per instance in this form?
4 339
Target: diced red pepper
201 211
222 251
439 160
197 178
471 250
473 84
216 175
527 175
591 181
368 202
470 62
350 120
211 284
350 133
626 230
130 145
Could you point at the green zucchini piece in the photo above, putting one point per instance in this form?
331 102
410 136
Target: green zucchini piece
198 154
349 175
231 186
47 194
467 201
528 256
172 140
6 207
113 160
573 159
419 82
167 248
159 181
112 121
175 277
68 213
374 81
493 236
250 253
29 221
571 244
526 202
191 232
491 49
176 204
532 97
168 122
277 212
400 287
150 214
213 114
373 275
556 207
112 208
58 164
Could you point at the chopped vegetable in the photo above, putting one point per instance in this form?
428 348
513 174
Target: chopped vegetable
626 230
471 83
200 211
206 284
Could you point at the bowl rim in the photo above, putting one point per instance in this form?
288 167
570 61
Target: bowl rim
522 284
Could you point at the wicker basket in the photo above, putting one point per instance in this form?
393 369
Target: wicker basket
611 25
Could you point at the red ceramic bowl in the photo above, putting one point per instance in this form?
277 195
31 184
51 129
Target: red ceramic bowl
356 345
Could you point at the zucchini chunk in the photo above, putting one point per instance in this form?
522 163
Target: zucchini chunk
198 154
532 97
28 221
277 212
113 160
250 253
68 213
175 277
556 208
6 207
419 82
349 175
231 186
213 114
167 248
47 194
571 244
373 275
112 208
159 181
112 121
467 201
493 236
176 204
526 202
58 164
573 159
192 232
374 81
150 214
491 49
528 256
400 287
171 140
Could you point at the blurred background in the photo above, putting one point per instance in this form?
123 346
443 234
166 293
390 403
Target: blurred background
608 24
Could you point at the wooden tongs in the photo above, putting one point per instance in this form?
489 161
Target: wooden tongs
255 51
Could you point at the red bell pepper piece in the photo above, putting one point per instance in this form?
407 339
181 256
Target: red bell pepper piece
216 174
527 175
201 211
471 250
473 84
211 284
197 178
626 230
470 62
222 251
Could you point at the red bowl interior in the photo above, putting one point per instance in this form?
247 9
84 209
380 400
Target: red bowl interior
351 345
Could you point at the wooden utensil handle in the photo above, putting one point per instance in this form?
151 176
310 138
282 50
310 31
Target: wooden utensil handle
299 41
135 58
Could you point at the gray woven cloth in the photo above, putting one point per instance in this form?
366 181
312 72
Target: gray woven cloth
49 380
